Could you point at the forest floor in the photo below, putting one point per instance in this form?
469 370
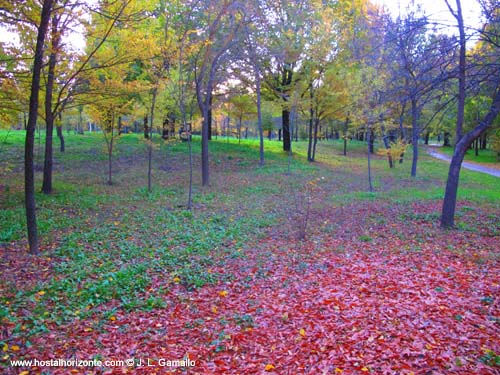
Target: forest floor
230 287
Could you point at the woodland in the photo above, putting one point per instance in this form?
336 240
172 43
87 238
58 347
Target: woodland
248 187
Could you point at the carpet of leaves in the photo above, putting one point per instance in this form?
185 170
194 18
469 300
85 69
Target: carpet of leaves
398 298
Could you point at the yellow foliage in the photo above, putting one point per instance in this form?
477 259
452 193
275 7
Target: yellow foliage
395 151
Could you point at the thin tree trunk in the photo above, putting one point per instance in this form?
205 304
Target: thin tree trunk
146 130
371 142
60 135
150 144
370 185
205 172
49 115
461 73
415 133
110 149
29 172
387 146
110 160
346 124
315 138
239 130
310 136
210 118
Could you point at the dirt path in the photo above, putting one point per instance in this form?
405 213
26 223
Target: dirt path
467 165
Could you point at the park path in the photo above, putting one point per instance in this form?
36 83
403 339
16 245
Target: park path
467 165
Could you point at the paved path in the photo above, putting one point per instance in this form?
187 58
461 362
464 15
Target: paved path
472 166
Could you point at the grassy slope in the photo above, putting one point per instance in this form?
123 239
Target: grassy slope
103 246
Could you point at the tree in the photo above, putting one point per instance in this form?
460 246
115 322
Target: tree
490 46
63 72
287 23
29 175
219 24
242 108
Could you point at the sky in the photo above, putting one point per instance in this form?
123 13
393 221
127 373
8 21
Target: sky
435 9
438 11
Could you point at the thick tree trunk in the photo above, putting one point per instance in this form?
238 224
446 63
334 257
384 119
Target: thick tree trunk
286 130
29 173
450 196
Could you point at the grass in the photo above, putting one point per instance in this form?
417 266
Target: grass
109 244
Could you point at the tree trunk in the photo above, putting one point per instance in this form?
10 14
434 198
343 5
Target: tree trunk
414 136
49 115
484 141
461 73
205 177
310 136
146 128
239 130
209 115
450 196
387 146
150 144
110 149
402 132
286 130
370 185
110 160
60 135
346 124
371 141
446 140
29 172
315 138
